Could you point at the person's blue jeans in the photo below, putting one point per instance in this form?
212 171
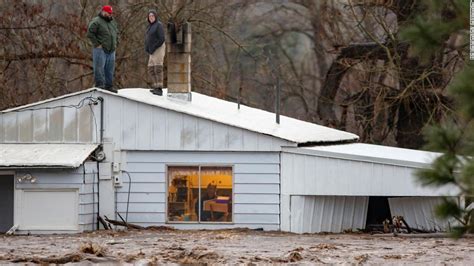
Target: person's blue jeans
104 66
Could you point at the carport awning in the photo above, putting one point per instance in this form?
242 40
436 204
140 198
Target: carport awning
44 155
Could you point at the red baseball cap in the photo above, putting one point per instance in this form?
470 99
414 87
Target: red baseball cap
107 9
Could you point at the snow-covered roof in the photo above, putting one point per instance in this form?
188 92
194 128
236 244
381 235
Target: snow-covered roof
374 153
226 112
45 155
249 118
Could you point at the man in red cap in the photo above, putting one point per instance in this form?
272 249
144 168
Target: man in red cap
103 33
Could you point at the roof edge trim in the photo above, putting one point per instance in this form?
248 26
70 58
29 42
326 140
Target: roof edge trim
359 158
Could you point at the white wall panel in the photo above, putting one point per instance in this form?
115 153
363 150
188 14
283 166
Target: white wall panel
85 184
25 128
40 126
131 126
140 197
235 139
145 126
256 208
260 198
418 212
174 126
153 128
146 177
204 135
113 119
256 186
257 169
48 209
256 219
221 157
141 207
264 142
241 178
87 125
144 187
145 217
70 125
189 133
10 127
158 133
56 125
304 174
250 142
87 209
219 136
313 214
145 168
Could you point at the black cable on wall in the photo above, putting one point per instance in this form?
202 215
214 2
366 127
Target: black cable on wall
129 189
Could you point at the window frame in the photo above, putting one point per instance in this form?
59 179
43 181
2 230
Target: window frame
231 166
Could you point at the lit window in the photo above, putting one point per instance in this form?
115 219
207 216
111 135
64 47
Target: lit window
181 193
212 185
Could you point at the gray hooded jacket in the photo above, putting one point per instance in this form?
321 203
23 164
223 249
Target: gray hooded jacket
155 35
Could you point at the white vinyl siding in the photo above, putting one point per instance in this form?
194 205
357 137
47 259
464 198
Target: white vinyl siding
137 126
59 180
256 187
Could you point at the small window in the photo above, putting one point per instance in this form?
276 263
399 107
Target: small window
199 194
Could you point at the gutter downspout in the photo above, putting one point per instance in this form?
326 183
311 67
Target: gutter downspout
101 119
98 168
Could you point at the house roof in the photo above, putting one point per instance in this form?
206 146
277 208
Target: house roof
46 155
249 118
226 112
373 153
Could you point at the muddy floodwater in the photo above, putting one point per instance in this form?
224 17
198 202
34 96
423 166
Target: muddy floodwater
233 246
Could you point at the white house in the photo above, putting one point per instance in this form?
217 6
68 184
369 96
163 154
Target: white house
202 163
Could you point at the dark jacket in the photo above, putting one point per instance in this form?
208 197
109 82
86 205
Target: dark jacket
103 31
155 37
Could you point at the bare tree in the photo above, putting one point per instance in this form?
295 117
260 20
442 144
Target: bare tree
405 93
45 51
360 75
339 63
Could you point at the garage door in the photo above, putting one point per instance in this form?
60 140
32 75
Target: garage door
48 209
6 202
314 214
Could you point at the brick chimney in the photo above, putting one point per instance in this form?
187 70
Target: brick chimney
178 45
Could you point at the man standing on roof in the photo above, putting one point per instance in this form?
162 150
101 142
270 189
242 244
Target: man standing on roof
103 33
155 47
